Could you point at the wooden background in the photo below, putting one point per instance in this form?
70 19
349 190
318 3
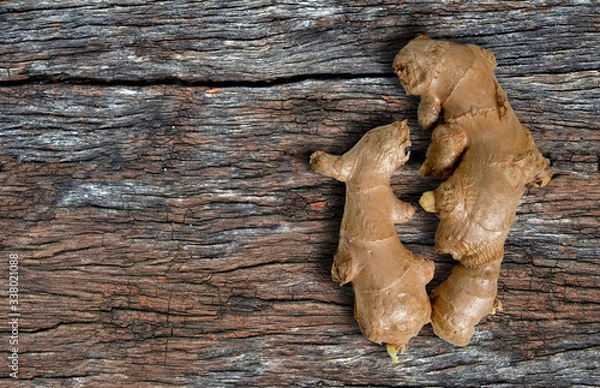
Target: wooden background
154 183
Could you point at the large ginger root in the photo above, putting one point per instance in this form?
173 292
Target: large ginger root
391 303
488 158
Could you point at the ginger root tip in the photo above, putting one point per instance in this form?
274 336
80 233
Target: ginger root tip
427 202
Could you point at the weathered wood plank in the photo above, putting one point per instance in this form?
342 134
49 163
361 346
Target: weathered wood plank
263 40
175 235
171 233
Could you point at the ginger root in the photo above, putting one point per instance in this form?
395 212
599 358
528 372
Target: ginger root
391 303
487 157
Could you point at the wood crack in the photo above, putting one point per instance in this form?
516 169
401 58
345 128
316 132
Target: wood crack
207 83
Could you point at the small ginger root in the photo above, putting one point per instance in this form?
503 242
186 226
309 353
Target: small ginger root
391 303
487 157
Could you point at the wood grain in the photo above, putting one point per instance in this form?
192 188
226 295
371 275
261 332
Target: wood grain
155 185
262 40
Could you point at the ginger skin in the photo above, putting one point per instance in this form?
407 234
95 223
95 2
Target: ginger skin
391 303
487 157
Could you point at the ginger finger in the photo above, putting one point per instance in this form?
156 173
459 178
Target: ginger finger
448 143
462 300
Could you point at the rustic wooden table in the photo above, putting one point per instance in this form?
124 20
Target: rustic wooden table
158 207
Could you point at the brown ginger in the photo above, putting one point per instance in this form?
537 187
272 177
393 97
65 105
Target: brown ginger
487 157
391 303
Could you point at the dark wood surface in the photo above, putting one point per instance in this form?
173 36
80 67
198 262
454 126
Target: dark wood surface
154 183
